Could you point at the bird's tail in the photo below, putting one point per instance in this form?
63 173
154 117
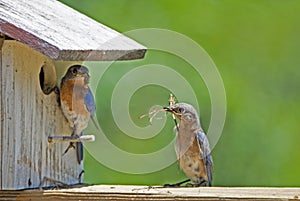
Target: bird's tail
209 174
79 151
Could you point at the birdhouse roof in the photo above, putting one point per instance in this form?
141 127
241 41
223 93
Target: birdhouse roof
62 33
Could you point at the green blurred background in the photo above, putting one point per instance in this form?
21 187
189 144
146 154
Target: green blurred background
255 45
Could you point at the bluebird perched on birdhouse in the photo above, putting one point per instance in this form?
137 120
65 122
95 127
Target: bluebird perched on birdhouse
77 103
192 146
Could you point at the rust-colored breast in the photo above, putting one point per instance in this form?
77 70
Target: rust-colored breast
72 93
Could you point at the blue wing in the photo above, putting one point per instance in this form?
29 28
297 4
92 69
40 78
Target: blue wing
204 145
91 106
90 102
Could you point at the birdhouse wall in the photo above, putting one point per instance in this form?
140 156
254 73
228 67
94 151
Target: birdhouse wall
28 117
1 114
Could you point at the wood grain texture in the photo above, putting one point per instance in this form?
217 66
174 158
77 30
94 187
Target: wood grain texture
1 113
62 33
8 134
29 117
118 192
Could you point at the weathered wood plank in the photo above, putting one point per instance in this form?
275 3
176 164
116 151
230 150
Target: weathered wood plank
30 116
119 192
62 33
1 114
8 110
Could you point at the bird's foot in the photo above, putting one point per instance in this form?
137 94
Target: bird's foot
201 183
171 185
71 145
176 184
189 185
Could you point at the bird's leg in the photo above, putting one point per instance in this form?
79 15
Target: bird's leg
78 147
176 184
71 145
201 183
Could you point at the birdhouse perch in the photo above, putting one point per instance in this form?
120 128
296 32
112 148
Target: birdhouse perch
36 36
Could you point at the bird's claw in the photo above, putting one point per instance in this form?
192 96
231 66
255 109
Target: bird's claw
176 185
201 183
190 185
71 145
171 185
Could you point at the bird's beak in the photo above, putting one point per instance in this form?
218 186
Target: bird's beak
168 109
83 72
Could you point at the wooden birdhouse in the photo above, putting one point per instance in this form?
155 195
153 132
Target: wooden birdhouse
36 36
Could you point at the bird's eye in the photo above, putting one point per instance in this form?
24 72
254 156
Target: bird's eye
180 110
74 71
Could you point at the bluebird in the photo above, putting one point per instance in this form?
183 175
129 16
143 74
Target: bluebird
191 146
77 103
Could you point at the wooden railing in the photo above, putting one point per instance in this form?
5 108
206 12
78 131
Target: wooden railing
123 192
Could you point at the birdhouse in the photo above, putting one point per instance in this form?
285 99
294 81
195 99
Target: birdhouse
36 38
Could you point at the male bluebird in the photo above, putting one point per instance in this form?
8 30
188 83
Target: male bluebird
192 147
77 103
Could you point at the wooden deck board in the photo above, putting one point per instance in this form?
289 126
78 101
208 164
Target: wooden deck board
124 192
